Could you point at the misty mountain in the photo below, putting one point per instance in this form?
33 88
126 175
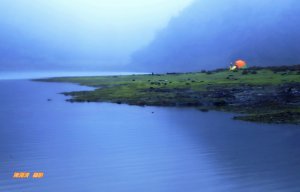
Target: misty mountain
212 33
11 38
21 50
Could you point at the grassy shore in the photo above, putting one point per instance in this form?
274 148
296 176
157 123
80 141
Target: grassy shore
270 95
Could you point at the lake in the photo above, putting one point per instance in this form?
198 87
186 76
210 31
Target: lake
89 147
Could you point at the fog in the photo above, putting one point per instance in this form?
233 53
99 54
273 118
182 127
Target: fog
211 34
147 36
79 34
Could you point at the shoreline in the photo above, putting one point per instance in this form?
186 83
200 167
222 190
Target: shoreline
257 94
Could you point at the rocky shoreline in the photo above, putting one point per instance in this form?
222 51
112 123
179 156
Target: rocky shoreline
268 95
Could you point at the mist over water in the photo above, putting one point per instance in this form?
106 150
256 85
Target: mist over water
79 34
48 74
89 146
158 35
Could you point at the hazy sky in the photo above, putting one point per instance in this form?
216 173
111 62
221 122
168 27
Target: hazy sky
211 34
53 33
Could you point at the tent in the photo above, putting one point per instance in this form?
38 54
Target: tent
239 64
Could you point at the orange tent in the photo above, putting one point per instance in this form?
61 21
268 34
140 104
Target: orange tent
240 64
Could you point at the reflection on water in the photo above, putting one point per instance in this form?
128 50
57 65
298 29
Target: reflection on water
108 147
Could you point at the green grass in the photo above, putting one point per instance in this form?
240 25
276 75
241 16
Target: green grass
195 80
203 89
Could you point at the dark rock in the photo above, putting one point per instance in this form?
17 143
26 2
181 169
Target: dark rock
204 110
220 103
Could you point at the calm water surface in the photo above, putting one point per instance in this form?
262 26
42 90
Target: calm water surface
101 147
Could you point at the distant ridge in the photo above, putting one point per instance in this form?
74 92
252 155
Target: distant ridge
211 33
